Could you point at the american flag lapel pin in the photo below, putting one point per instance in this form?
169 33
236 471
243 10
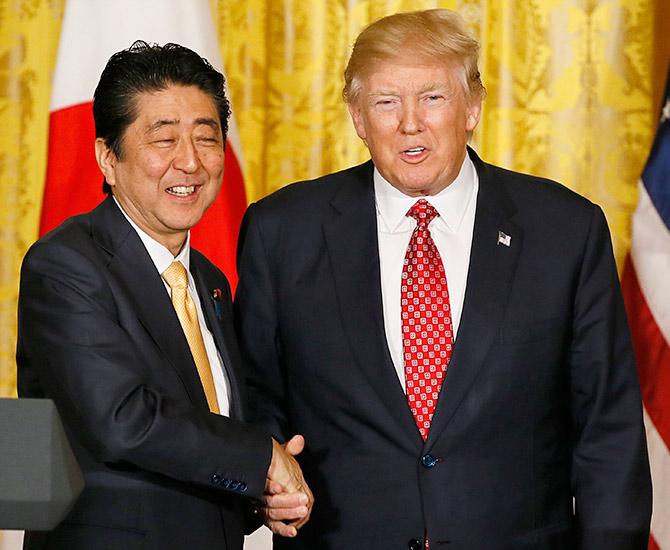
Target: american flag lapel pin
504 238
216 298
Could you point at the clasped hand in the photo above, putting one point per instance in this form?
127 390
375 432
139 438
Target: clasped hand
288 500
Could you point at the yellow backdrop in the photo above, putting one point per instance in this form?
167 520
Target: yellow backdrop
573 90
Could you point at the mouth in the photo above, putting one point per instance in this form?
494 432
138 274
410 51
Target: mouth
414 155
182 190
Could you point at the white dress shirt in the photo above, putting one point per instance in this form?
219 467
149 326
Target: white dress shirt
162 258
452 233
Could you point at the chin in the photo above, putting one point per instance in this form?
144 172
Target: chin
415 188
184 223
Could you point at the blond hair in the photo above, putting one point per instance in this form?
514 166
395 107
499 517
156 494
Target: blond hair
436 34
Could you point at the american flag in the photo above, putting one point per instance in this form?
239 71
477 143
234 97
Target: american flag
646 289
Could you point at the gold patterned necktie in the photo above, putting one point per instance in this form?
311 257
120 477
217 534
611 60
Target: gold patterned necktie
177 278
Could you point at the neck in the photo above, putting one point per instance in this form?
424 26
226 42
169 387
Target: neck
174 246
172 240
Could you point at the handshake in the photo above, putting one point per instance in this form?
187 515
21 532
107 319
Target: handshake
288 500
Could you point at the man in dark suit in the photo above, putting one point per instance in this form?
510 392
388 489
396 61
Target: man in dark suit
129 330
448 336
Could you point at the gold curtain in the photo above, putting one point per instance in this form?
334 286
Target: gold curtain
573 91
29 31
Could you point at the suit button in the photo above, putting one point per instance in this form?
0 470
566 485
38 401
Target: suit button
226 483
414 544
233 485
428 461
215 479
242 488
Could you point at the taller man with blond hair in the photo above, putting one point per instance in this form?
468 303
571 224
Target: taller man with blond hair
448 336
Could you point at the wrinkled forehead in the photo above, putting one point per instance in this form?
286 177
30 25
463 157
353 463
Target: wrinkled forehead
408 71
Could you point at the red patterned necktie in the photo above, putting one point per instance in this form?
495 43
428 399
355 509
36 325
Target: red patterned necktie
426 318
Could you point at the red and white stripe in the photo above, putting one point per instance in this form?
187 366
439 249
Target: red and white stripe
92 31
647 294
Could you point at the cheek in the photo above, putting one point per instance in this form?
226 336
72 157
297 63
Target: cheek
154 166
213 163
381 133
454 131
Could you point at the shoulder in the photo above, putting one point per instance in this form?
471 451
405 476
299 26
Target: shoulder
71 231
534 198
72 238
66 266
96 233
81 248
304 196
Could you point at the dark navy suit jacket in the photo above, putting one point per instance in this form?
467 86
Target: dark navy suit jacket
540 402
98 334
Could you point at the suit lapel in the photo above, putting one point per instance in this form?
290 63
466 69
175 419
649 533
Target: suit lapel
490 276
216 316
351 240
132 267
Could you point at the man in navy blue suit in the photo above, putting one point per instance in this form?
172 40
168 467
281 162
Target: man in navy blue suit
449 336
129 330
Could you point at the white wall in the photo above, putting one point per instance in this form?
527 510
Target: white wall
260 540
11 540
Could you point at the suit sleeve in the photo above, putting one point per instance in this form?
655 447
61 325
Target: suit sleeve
256 313
610 469
73 347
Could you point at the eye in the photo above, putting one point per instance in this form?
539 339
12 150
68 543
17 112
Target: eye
385 104
208 141
163 142
433 99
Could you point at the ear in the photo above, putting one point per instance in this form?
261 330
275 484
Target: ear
106 161
473 113
357 118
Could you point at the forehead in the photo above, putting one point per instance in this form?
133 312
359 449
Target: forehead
175 102
403 74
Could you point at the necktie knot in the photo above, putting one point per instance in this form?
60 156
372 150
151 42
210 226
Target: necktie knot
175 276
423 212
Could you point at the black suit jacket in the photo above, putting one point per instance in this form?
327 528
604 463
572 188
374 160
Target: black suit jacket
540 403
98 334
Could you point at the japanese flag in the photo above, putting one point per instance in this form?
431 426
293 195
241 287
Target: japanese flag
92 31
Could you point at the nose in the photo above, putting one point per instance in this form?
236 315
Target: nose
186 158
411 119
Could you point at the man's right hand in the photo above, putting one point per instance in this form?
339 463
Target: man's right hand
288 499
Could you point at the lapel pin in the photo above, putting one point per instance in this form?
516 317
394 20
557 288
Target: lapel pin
504 238
216 298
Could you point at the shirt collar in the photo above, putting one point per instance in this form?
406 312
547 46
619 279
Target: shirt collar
160 255
451 203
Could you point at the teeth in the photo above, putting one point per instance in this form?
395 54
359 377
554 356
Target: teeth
181 190
415 150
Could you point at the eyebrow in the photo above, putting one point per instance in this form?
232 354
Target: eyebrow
206 121
382 92
428 87
435 86
162 122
